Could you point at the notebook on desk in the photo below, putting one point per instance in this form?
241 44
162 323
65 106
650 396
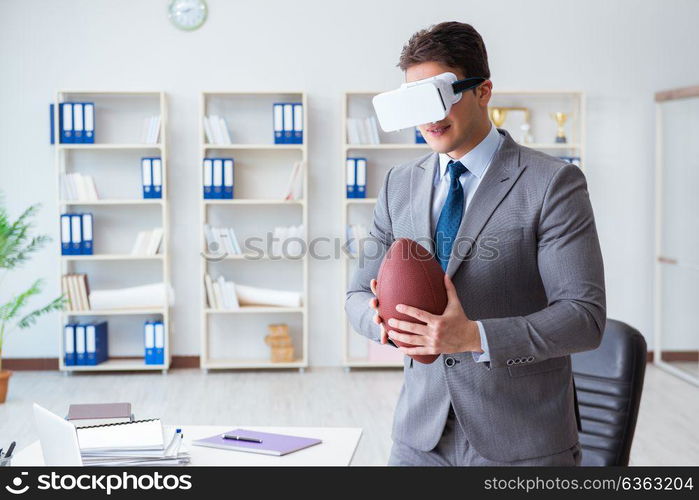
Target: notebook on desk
272 444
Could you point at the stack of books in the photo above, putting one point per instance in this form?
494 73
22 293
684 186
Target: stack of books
85 344
151 130
78 187
216 130
76 288
148 242
363 131
76 234
221 240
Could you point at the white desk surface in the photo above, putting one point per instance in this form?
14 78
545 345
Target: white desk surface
337 448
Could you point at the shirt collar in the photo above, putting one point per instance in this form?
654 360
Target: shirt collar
478 159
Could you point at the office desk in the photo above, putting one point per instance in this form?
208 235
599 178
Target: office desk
337 448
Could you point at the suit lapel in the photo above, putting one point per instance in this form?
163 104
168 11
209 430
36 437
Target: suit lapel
421 182
497 182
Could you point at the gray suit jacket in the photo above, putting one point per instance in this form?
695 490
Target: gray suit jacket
527 264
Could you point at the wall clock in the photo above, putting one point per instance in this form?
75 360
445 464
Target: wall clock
187 15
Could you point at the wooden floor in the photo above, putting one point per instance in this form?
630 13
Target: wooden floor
667 431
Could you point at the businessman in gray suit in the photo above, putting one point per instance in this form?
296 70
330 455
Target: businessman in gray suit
515 232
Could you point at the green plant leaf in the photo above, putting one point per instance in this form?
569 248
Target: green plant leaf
10 309
30 319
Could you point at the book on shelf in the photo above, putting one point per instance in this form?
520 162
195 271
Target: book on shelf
287 241
85 344
152 177
220 294
356 177
288 122
216 130
150 133
77 290
220 240
218 178
154 342
363 131
148 242
227 295
78 187
294 186
76 234
76 123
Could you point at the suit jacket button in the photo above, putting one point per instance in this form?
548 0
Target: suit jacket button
510 361
530 358
450 362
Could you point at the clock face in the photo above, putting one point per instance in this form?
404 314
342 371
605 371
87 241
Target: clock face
187 14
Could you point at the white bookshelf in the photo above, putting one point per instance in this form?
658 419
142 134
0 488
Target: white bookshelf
400 146
234 339
114 162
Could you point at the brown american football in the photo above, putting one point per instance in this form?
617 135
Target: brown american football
409 274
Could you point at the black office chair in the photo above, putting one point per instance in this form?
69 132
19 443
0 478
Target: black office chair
609 382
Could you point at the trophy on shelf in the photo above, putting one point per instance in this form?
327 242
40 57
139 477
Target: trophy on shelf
498 116
560 119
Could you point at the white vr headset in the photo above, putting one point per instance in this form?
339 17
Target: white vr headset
422 101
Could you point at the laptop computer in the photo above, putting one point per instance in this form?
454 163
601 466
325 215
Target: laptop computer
58 438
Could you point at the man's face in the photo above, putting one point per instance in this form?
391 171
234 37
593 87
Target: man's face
461 129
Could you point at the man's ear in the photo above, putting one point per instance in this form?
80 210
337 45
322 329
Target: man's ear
484 92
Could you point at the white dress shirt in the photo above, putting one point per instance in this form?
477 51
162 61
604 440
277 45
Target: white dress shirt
477 162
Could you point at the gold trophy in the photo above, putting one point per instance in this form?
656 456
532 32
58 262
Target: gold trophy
560 119
498 116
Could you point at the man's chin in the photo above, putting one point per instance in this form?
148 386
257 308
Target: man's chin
440 146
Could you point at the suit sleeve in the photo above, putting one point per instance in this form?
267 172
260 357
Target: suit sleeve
571 269
370 256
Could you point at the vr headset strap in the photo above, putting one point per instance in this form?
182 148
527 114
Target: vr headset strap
467 83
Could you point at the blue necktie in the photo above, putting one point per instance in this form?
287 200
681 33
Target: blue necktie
450 217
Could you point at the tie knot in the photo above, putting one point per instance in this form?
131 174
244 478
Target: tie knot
456 169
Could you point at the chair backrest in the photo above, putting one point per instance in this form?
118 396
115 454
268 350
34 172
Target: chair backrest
609 382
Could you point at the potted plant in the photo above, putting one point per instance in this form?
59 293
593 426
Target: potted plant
16 246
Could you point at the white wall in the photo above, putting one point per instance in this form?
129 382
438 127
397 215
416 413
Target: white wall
618 52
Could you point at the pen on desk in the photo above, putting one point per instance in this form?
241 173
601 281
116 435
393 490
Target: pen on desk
10 449
241 438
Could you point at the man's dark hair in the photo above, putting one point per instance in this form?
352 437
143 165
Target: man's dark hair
457 45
